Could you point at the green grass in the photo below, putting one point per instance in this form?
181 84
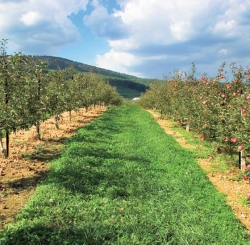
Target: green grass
122 180
203 149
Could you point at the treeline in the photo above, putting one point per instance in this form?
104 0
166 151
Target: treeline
217 108
30 92
57 62
127 84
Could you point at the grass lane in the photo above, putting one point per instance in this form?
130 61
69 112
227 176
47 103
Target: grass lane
122 180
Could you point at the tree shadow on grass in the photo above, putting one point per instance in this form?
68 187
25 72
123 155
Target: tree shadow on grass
82 166
95 171
86 233
44 155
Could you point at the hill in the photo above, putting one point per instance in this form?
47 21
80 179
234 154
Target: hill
127 85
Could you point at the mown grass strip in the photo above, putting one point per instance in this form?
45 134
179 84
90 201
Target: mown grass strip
122 180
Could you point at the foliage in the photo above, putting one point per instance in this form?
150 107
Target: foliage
29 92
216 108
17 91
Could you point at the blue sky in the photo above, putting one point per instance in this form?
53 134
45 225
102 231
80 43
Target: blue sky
144 38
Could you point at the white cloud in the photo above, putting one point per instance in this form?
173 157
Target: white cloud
39 25
105 25
228 27
169 33
30 18
180 30
117 61
223 51
149 38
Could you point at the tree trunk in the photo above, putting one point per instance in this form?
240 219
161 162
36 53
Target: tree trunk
7 142
69 115
56 121
2 149
38 135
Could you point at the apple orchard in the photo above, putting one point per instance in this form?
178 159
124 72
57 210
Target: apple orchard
216 108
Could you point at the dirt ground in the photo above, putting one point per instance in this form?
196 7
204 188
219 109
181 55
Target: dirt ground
26 165
225 182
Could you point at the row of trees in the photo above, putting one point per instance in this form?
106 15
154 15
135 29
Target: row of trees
29 93
216 108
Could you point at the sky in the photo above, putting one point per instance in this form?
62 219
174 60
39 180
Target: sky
145 38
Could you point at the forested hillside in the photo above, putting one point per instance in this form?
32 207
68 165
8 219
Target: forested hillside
128 86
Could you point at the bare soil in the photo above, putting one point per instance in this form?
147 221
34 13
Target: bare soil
27 164
226 182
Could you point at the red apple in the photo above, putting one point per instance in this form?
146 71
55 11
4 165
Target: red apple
233 140
243 111
245 177
240 147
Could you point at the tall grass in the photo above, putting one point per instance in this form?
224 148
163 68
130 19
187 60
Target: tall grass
122 180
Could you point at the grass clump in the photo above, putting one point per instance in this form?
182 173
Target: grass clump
122 180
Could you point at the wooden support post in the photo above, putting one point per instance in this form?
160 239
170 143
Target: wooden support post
239 160
7 143
242 161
